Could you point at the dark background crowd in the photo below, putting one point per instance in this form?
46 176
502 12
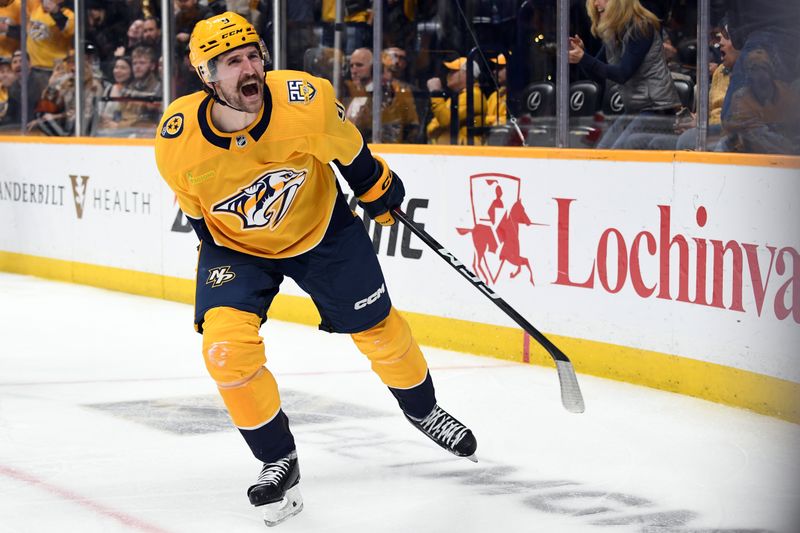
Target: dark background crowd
452 71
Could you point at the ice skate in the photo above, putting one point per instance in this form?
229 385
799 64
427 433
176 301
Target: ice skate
448 433
276 491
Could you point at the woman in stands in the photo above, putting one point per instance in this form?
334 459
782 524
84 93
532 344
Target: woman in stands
111 105
631 56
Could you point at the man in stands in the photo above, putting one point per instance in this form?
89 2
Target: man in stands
439 127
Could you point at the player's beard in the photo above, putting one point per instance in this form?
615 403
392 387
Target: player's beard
247 96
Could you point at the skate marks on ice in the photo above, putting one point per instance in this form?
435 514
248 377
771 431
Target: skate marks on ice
327 423
200 414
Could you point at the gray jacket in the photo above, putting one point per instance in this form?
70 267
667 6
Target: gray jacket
650 88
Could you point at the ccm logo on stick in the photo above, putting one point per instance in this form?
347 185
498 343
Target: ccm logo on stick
361 304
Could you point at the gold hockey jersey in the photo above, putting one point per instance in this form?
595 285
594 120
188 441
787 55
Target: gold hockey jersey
267 190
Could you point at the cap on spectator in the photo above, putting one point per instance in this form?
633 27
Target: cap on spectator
5 60
500 60
461 64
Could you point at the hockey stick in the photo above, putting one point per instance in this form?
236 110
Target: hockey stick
571 396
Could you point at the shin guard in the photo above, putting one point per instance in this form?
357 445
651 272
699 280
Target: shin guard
393 352
234 356
398 361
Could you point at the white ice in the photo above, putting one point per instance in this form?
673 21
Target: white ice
108 422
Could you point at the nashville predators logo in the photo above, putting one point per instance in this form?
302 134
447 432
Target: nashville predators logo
265 202
173 126
219 275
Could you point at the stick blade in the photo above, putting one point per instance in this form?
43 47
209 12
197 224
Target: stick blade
571 396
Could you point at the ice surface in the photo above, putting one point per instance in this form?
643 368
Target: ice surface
108 422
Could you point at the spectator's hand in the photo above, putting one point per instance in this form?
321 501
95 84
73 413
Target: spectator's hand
434 84
575 55
119 52
575 50
712 67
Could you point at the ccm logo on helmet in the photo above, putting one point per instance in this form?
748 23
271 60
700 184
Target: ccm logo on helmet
234 32
361 304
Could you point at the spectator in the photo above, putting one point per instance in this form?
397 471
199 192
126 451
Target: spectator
399 118
360 72
151 34
112 102
685 137
55 112
496 112
9 27
632 56
51 27
145 89
395 61
764 115
16 63
769 25
359 106
438 128
134 38
9 94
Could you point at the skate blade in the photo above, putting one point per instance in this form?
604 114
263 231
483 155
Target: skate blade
473 458
290 505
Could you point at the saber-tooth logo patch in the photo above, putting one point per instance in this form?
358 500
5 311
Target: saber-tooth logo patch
219 275
79 192
265 202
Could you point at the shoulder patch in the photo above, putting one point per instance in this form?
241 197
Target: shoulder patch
173 126
300 91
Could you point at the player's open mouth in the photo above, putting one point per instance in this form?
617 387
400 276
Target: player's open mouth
250 89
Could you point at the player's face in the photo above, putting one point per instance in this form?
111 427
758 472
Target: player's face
240 75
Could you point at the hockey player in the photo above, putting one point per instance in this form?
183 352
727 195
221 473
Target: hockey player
249 160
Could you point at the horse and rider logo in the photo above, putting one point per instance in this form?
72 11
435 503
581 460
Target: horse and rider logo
497 213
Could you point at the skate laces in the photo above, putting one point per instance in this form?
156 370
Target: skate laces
272 473
443 427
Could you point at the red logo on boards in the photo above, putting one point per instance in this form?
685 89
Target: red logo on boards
497 213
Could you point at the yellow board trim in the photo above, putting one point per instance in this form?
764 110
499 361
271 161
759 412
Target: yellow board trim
717 383
516 152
